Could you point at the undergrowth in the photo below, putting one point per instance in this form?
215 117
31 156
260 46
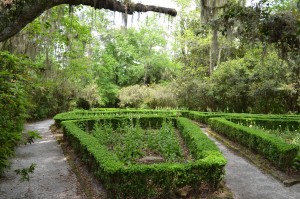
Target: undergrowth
131 142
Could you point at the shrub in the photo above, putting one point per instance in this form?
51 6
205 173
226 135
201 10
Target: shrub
144 181
270 123
274 149
99 113
13 104
152 96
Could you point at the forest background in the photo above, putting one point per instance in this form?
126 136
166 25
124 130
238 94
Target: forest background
215 55
223 55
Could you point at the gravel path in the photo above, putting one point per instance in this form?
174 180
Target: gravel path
52 178
247 182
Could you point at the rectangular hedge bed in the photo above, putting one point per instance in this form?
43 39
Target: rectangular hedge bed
123 179
281 154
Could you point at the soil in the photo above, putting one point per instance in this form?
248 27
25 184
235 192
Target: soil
186 151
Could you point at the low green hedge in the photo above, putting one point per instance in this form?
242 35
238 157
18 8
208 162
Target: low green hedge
273 148
147 121
269 123
204 117
97 113
144 181
201 117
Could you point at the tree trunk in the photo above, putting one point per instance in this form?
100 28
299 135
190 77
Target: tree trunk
214 50
15 15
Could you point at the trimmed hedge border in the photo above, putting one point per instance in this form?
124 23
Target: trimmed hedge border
273 148
272 124
144 181
204 117
99 113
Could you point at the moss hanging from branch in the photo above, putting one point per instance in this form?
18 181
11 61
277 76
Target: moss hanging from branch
210 9
16 14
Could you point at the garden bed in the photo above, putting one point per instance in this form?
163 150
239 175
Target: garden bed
119 167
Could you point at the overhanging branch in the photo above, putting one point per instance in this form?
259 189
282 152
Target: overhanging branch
16 14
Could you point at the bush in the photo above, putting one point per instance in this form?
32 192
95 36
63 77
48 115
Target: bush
13 104
290 124
274 149
153 96
144 181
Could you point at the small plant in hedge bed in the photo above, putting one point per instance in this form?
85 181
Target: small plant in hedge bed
130 142
129 179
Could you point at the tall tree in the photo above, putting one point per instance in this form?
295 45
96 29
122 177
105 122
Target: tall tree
210 10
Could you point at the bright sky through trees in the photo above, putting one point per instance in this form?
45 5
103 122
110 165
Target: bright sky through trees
163 3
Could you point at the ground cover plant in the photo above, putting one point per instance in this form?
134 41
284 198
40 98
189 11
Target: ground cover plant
131 142
125 177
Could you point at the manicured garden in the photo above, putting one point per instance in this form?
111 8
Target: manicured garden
156 153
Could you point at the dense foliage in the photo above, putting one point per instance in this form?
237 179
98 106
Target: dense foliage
14 102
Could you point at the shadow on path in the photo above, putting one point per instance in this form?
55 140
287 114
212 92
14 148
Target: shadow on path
52 177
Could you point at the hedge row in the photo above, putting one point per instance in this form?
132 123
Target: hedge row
269 123
203 117
273 148
147 121
144 181
94 114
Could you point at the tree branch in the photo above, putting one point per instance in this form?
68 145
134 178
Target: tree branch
16 14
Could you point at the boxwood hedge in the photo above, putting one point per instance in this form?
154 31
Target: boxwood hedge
144 181
273 148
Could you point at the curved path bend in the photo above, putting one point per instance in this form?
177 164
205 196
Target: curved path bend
52 177
246 181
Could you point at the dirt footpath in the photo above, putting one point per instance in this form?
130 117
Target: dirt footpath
52 177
